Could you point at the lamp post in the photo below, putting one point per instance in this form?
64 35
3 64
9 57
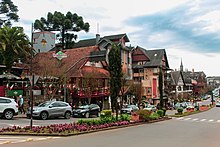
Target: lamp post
32 78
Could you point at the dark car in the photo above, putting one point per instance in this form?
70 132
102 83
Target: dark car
86 111
51 109
128 109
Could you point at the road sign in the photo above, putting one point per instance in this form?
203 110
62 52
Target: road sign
35 79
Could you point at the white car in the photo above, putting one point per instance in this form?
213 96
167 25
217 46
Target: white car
8 107
152 108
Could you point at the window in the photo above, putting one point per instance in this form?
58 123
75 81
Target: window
179 88
155 70
4 101
141 70
56 105
149 90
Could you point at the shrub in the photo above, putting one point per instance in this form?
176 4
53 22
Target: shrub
106 113
144 114
125 117
154 116
160 113
180 110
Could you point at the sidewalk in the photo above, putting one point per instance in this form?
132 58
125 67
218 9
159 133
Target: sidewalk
172 112
20 116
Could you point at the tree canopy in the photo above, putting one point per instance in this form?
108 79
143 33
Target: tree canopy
14 44
8 12
65 24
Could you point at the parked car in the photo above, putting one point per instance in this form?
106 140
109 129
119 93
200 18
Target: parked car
128 109
86 111
217 104
8 107
182 105
152 108
51 109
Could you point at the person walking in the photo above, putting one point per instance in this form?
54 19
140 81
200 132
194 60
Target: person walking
21 104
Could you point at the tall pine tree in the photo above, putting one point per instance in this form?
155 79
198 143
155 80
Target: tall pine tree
115 70
161 87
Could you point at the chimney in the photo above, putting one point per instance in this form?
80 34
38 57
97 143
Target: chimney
97 38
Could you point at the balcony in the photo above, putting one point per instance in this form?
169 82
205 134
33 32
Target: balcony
138 75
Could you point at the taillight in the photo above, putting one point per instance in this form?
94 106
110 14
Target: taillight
16 106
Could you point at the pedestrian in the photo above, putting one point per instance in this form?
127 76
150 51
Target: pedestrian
21 104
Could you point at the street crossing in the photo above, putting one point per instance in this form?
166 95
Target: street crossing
22 139
197 119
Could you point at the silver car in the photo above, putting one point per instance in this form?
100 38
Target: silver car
128 109
51 109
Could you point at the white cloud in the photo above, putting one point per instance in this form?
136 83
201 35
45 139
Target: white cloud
111 15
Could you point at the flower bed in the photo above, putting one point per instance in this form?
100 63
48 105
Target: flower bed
60 129
82 126
203 108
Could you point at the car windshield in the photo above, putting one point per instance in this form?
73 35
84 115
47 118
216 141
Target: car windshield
45 104
129 106
84 106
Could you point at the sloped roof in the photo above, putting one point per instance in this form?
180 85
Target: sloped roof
139 55
45 64
90 72
117 37
92 41
156 57
175 75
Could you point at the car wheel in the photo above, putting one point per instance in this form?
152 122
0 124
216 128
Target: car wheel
98 114
67 115
8 114
87 115
44 115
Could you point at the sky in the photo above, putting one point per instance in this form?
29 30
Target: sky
189 30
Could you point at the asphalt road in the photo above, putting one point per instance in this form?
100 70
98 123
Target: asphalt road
198 130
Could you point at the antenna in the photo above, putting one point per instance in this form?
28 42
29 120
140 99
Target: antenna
97 28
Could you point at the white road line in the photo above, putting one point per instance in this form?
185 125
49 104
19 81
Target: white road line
8 140
180 118
202 119
211 120
195 119
218 121
187 119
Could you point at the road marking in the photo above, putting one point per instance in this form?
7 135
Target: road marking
195 119
10 140
211 120
180 118
202 119
218 121
187 119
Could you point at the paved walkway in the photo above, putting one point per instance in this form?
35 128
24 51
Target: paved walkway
20 116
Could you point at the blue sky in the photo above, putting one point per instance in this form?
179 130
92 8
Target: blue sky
188 30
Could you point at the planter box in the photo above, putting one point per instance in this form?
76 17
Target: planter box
190 109
203 108
135 117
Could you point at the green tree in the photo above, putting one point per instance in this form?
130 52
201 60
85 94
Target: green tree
115 71
14 44
8 12
161 87
65 24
